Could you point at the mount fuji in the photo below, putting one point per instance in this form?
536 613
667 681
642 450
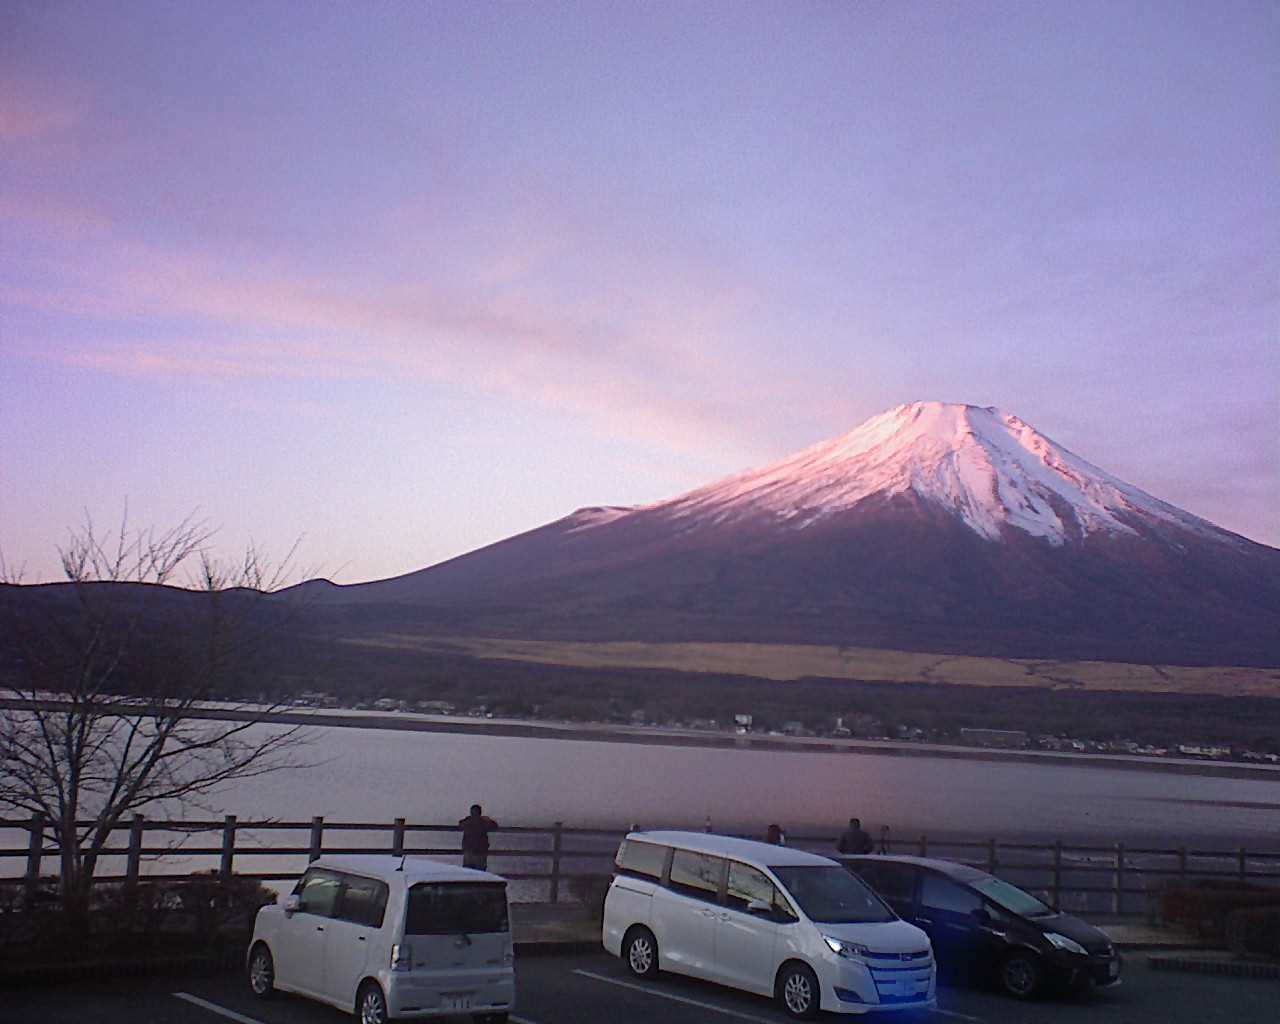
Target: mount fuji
929 527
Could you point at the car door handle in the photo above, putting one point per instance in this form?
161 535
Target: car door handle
319 927
359 938
924 920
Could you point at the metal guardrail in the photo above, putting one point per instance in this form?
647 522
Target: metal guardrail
1113 878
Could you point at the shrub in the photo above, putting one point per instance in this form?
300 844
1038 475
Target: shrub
1203 907
590 891
190 914
1254 931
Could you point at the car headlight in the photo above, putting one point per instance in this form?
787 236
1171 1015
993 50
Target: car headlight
848 950
1065 944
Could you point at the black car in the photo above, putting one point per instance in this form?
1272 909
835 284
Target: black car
983 927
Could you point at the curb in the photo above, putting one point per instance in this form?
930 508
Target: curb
1138 946
1231 968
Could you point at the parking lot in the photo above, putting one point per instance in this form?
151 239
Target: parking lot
595 989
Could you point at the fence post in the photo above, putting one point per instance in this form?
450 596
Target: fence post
1057 874
991 857
924 846
134 860
228 845
35 850
1118 896
556 838
397 838
884 838
1244 869
317 838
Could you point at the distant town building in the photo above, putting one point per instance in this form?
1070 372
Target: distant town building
859 724
995 737
1192 750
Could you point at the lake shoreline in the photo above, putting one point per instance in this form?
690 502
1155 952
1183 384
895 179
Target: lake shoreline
602 732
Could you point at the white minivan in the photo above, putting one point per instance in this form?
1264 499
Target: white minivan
389 937
767 919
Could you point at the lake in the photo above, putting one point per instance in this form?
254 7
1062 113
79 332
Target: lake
377 775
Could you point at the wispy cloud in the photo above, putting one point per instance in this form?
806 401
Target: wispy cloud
30 110
642 371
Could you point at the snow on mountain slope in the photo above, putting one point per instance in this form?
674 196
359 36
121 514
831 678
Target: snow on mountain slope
989 468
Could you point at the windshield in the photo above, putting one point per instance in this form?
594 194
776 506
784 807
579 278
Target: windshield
1011 897
453 908
830 895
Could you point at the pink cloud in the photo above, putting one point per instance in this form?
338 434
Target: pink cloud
31 110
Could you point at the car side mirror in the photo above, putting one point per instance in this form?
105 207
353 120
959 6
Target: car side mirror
759 907
291 904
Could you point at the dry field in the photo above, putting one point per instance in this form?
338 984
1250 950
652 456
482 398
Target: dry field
785 662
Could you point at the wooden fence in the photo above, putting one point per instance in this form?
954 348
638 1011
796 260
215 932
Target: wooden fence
555 863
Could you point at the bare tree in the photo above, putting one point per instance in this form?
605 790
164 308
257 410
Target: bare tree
107 677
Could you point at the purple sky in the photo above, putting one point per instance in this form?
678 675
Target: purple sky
404 279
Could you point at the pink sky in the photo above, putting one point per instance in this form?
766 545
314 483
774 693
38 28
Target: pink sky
408 279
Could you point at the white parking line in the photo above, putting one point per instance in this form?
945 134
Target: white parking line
674 998
959 1016
240 1018
222 1011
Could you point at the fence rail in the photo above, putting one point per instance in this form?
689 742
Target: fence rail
549 862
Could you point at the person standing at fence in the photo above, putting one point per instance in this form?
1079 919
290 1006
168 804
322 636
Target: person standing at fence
854 839
774 836
475 838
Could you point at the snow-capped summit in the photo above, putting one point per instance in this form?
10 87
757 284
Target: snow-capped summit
987 467
948 528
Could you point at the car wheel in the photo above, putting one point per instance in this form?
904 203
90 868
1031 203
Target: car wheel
371 1004
798 991
1021 975
640 951
262 972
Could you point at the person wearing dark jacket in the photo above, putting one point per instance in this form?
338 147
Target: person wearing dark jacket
475 838
854 839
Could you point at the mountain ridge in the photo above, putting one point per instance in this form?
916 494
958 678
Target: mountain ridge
930 526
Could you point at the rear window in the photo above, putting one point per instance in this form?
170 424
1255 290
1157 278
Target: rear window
644 860
457 908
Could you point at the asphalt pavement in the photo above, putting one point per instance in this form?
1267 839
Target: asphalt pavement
594 988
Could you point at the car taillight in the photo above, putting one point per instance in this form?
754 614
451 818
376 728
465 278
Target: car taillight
401 957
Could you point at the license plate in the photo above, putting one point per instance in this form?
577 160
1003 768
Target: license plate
455 1001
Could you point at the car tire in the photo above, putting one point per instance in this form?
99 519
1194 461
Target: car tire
640 952
262 972
371 1004
1021 975
798 992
